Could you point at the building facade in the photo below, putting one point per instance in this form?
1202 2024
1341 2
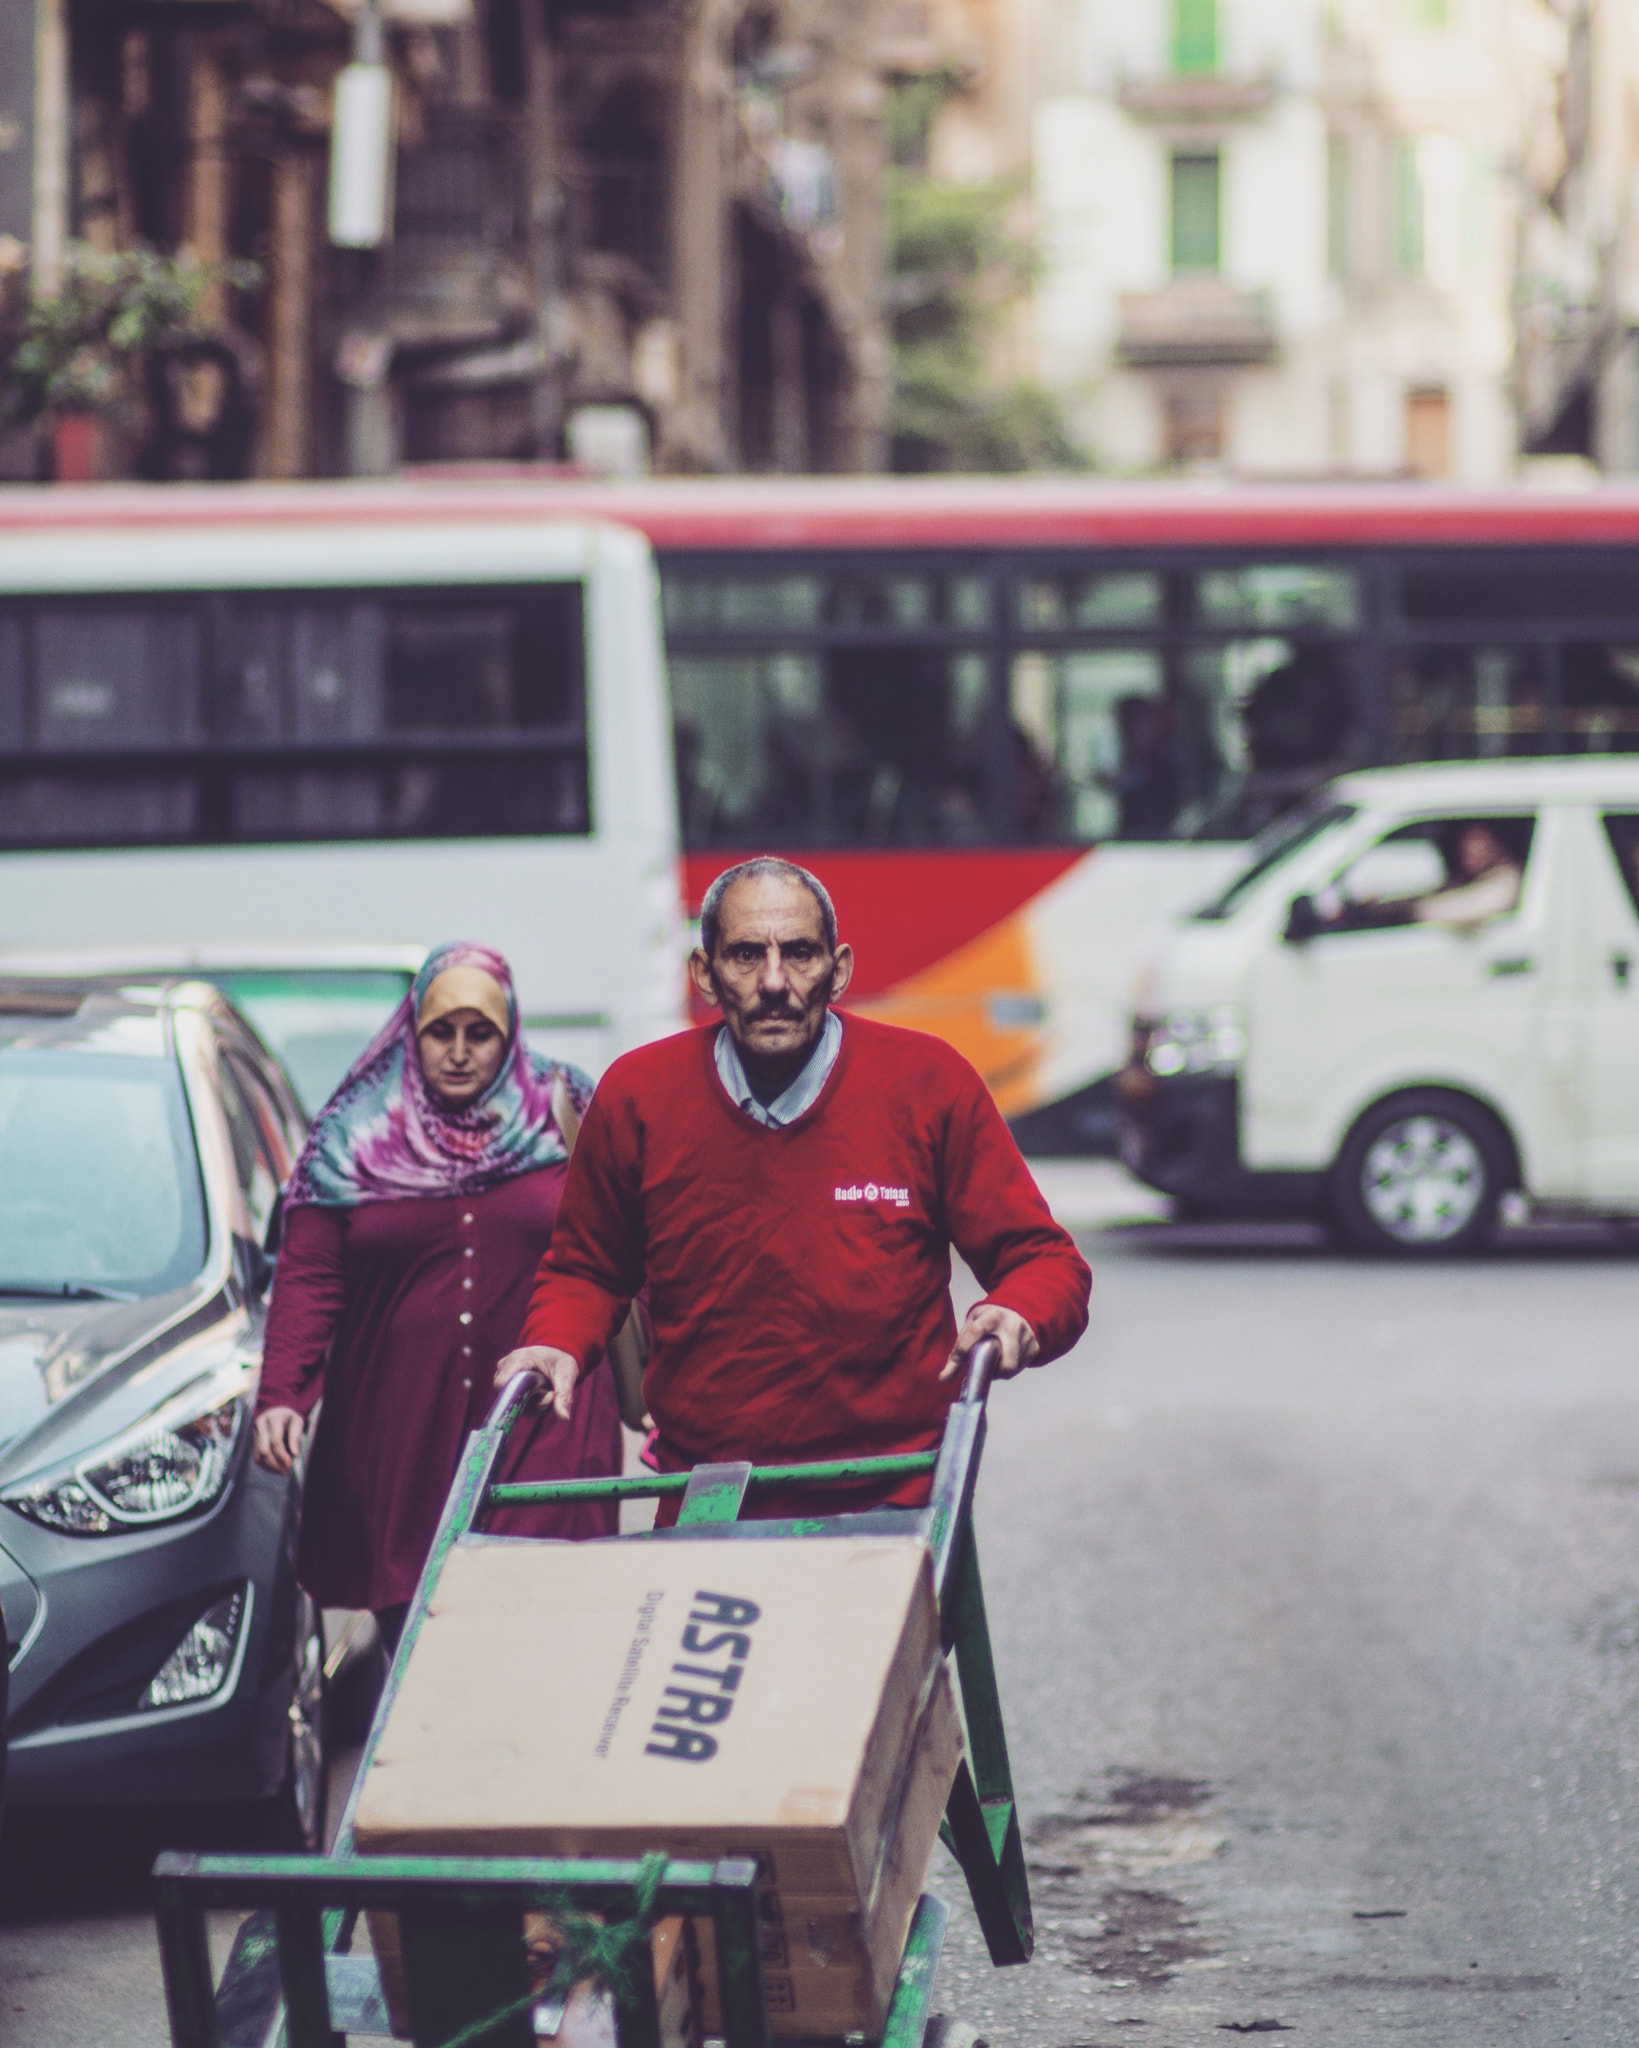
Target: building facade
1277 237
635 232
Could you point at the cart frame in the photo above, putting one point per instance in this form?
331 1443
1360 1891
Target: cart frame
291 1973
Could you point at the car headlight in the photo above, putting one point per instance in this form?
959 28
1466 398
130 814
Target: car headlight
172 1463
1207 1041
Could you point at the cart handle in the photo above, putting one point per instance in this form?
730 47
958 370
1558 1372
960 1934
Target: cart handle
982 1362
522 1387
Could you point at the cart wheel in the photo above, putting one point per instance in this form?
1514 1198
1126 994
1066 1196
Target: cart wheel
945 2031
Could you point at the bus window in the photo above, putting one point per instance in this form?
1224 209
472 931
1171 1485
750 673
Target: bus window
846 597
711 602
1599 698
306 715
1116 598
1470 703
112 681
1276 595
862 746
1206 740
1101 740
1550 584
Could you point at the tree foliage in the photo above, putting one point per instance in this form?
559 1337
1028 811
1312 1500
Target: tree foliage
957 268
78 349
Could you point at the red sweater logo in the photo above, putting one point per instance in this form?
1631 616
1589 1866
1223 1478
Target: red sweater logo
873 1192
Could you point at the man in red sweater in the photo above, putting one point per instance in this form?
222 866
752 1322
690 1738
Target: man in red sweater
789 1186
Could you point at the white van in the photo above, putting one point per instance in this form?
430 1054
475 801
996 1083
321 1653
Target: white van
1420 993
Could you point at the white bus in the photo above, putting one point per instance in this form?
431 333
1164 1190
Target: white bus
296 741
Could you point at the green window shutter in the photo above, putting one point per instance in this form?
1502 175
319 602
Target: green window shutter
1337 206
1195 182
1194 35
1408 208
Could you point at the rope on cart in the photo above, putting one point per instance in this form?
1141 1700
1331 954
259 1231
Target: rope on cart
611 1953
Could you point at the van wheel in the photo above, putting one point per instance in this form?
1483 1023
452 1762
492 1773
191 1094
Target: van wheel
1421 1174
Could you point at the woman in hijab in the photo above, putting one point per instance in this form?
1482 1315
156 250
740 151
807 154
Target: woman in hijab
419 1209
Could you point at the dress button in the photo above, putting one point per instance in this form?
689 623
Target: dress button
466 1350
466 1383
465 1316
468 1217
467 1254
467 1284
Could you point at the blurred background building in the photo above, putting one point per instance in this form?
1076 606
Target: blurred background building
1269 237
1284 236
637 231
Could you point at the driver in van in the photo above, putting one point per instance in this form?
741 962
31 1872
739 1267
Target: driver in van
1482 881
1485 881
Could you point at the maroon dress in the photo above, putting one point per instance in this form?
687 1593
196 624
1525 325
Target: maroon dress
396 1312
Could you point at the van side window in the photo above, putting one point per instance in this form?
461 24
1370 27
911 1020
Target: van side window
1458 873
1622 830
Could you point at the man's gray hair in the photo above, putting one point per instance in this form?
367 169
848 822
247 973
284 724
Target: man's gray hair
711 910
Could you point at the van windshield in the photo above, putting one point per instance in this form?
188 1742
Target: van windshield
1285 837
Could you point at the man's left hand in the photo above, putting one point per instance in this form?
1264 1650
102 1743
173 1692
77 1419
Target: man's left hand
1012 1332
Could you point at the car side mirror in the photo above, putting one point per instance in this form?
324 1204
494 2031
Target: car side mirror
1303 921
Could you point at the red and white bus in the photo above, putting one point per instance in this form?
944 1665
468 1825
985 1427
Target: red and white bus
1020 725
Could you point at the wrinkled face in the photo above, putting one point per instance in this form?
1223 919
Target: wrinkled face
773 976
461 1054
1479 848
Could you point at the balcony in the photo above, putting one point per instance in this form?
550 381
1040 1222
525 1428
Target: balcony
1195 321
1204 99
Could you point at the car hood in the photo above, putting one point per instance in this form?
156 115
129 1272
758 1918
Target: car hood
56 1356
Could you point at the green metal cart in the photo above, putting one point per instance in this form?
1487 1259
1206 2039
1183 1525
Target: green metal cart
296 1977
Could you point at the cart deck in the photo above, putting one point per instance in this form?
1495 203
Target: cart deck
293 1974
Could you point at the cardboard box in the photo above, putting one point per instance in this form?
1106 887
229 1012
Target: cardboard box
779 1698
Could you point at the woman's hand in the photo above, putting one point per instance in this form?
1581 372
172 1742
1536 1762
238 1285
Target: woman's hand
557 1368
279 1433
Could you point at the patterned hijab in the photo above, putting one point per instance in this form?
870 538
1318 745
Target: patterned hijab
384 1136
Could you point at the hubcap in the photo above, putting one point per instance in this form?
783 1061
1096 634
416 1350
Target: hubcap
307 1761
1422 1180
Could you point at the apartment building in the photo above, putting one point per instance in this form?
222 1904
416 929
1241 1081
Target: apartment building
1278 237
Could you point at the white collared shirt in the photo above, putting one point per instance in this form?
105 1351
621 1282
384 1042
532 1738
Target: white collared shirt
803 1091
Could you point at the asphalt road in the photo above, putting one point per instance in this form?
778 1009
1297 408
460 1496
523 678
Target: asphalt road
1315 1588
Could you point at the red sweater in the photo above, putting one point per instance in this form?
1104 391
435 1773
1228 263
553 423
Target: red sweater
799 1278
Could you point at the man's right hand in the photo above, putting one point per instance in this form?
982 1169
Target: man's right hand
279 1433
557 1368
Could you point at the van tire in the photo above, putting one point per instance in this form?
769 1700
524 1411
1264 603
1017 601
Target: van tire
1421 1175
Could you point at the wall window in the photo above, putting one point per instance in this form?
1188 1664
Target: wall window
1194 415
1338 196
1195 210
1194 36
1428 431
1410 209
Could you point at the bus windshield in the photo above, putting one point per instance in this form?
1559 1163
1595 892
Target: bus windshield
1296 830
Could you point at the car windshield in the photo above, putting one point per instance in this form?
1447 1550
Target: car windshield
1283 838
99 1181
318 1020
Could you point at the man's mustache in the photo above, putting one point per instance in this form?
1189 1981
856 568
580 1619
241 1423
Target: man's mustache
767 1012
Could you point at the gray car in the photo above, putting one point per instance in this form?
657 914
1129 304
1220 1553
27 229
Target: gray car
159 1648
